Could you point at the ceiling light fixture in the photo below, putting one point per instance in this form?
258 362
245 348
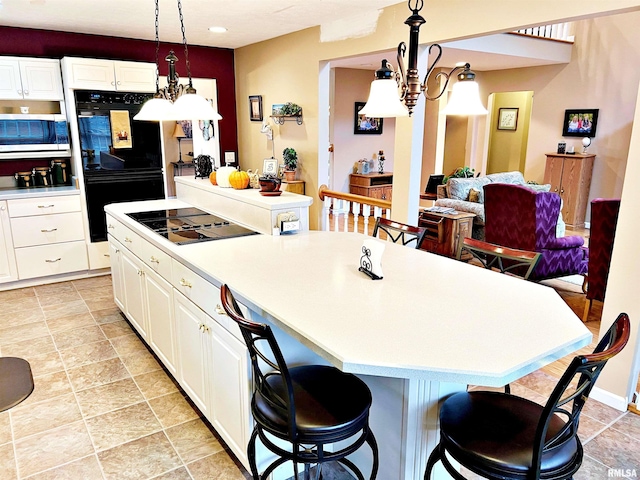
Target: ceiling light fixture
217 29
175 101
384 99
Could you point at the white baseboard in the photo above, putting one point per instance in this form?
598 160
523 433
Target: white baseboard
608 398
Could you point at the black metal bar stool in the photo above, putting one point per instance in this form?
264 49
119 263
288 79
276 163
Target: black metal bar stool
501 436
309 405
16 382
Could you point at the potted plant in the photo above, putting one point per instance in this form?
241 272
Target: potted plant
290 157
460 172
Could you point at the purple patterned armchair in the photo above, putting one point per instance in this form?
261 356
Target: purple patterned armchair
518 217
604 218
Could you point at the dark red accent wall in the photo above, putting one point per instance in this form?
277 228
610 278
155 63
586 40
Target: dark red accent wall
206 62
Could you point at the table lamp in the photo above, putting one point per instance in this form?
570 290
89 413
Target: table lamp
178 133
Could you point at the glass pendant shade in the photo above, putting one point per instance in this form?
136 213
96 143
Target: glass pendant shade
384 101
155 110
191 106
465 100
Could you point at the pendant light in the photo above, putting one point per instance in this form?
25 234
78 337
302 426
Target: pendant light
175 101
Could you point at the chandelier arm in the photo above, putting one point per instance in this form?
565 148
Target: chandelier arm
184 42
447 77
430 68
401 74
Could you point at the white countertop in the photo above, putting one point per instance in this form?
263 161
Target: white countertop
431 317
18 193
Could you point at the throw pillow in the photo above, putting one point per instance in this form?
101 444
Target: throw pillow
459 187
475 196
538 188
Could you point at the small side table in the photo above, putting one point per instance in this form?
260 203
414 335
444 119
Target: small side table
444 231
178 167
294 186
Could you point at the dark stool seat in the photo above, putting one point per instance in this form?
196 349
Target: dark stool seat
501 436
16 382
497 433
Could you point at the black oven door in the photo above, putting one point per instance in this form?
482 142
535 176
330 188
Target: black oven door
105 187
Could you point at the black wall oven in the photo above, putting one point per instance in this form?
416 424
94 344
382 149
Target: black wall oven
121 157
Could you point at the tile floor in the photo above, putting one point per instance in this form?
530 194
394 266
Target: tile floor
104 409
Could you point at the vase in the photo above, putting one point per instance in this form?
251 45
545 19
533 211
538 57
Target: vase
289 175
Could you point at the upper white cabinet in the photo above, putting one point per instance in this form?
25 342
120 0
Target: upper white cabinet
108 75
30 79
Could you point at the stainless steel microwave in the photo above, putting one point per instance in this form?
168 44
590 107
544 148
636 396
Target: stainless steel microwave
22 133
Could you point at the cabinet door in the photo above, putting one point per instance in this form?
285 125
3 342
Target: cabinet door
115 257
133 286
159 300
8 270
10 83
570 188
387 193
192 333
135 76
553 173
41 79
89 73
231 390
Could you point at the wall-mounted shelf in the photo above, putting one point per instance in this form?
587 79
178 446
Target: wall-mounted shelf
280 119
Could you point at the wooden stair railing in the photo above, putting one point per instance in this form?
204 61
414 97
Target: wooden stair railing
336 204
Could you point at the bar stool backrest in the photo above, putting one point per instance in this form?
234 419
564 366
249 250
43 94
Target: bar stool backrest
399 232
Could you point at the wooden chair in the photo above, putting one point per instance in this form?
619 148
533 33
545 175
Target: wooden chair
496 435
16 382
308 406
507 260
399 232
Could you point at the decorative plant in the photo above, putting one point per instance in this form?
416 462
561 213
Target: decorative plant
290 158
460 172
290 109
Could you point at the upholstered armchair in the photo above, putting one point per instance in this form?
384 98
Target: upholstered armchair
518 217
604 218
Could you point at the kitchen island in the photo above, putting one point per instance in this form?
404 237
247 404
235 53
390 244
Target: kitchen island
412 339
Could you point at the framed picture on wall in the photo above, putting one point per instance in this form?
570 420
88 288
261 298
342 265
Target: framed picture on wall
364 125
508 119
255 108
580 123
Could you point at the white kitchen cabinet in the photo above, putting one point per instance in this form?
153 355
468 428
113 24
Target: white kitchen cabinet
8 270
160 318
108 75
231 390
193 332
133 286
54 259
46 229
115 257
30 79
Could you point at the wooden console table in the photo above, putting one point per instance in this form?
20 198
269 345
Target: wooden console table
374 185
294 186
444 231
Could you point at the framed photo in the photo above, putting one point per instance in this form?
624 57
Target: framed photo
580 123
276 108
363 125
255 108
270 167
507 119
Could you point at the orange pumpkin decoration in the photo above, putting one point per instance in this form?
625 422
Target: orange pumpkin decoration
239 179
212 178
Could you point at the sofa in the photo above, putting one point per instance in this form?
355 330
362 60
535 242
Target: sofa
467 195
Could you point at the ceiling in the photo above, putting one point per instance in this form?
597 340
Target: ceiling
247 21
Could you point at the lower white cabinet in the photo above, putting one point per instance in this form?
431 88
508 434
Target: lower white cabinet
8 270
160 318
115 257
133 286
54 259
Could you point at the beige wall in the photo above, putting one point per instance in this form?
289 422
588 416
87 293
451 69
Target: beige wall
349 147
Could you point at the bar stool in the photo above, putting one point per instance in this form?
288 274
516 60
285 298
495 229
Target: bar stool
16 382
399 232
308 405
507 437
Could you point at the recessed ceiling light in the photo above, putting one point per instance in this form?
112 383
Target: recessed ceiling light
217 29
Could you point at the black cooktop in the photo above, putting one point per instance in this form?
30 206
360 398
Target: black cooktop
188 225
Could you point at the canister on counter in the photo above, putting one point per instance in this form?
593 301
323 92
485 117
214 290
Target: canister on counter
42 177
58 172
24 179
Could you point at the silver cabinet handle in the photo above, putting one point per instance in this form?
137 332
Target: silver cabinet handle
140 273
184 283
111 226
19 92
53 261
107 255
26 92
46 206
220 310
128 240
44 230
203 328
154 259
113 83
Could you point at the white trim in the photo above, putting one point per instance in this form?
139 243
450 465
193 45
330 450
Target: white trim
610 399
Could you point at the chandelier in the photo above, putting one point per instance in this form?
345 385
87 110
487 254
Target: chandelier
175 101
395 93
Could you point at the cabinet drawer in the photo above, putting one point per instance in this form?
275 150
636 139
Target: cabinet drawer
45 260
194 287
44 205
127 237
45 229
158 260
